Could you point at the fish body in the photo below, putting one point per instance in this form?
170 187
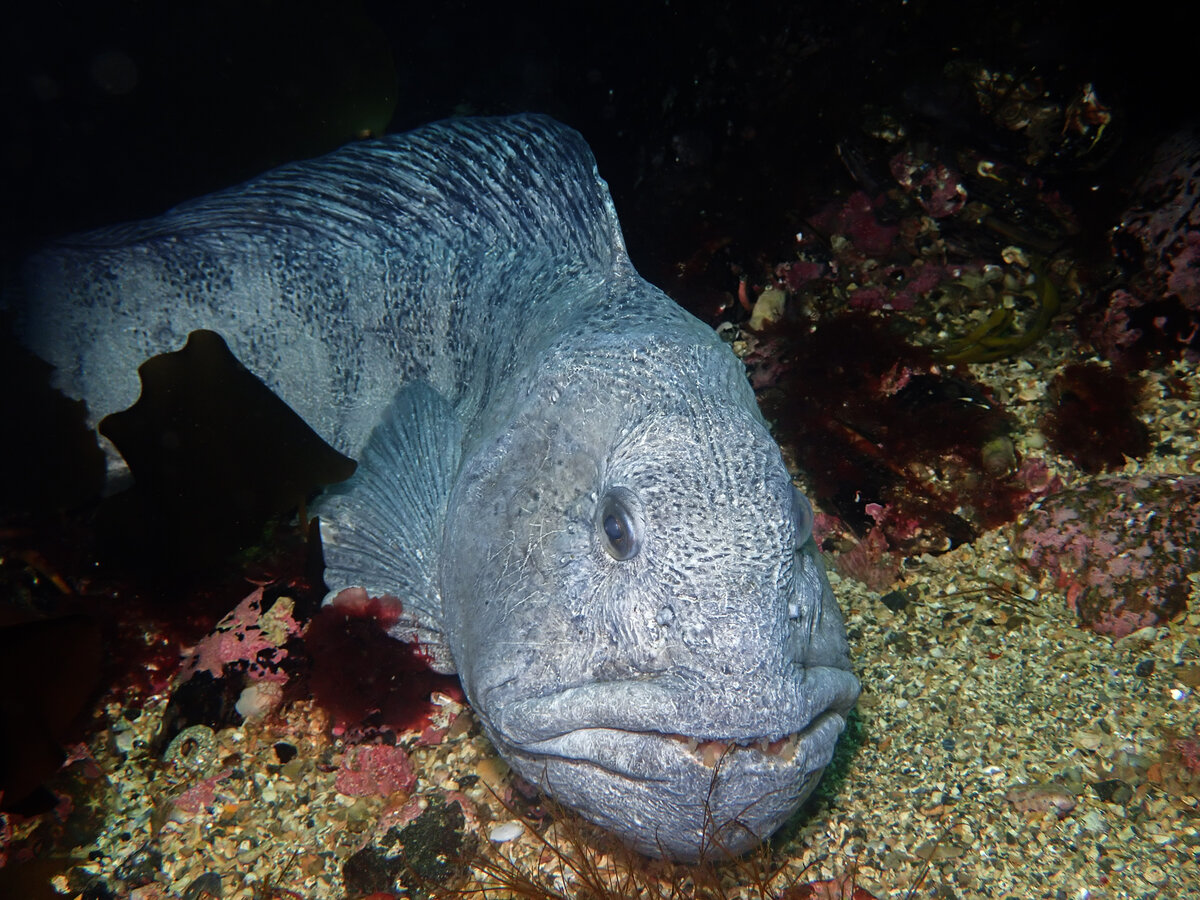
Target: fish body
562 475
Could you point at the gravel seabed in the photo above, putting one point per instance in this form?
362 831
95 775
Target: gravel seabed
998 749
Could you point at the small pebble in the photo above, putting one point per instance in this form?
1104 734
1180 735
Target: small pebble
259 700
1154 874
505 832
1113 790
123 740
1042 798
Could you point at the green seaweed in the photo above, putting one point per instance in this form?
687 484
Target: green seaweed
999 336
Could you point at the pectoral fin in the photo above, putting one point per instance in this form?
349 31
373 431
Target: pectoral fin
382 529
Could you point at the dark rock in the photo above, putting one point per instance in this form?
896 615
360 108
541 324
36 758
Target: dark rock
201 700
433 848
140 866
204 886
50 670
98 890
1113 790
214 454
426 853
895 600
370 871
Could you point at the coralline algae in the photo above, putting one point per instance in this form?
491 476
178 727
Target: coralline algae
1165 223
1157 314
1122 547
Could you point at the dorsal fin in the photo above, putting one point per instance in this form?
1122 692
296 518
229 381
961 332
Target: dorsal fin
337 278
382 529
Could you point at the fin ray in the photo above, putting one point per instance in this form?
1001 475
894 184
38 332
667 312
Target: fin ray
382 529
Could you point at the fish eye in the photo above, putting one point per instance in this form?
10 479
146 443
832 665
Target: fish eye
618 525
802 513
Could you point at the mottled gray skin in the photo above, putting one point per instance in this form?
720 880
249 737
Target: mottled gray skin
563 475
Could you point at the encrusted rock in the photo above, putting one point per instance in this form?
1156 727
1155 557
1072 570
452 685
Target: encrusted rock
1042 798
1121 547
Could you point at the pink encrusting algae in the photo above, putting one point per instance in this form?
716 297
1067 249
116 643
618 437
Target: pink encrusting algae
1156 316
375 770
1122 547
248 636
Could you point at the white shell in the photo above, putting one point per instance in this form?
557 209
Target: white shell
506 831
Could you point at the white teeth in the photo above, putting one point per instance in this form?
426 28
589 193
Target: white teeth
787 749
709 753
712 751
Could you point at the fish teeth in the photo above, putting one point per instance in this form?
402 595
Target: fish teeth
712 751
709 752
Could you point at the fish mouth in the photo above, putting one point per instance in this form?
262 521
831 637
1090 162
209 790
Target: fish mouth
666 793
710 753
631 754
639 729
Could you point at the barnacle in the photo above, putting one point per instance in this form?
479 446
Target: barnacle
998 336
194 750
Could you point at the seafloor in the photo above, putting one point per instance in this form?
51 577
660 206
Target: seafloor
998 750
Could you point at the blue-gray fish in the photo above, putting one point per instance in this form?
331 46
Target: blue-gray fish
562 474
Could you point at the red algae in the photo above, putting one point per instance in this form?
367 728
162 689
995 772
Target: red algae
886 438
1093 420
857 220
375 770
201 795
361 675
248 635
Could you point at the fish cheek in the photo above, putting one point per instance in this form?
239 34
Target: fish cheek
516 526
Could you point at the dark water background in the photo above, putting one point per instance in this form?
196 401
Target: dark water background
712 121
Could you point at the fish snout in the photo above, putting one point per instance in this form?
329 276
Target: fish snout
675 769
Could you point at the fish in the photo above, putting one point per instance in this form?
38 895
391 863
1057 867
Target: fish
562 476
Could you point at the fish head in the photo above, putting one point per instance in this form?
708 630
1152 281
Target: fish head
643 623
